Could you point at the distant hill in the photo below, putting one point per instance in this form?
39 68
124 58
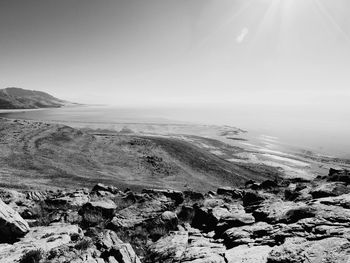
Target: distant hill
17 98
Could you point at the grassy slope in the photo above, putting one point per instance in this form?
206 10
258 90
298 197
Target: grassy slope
38 155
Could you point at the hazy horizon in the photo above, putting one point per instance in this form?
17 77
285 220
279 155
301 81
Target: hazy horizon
284 58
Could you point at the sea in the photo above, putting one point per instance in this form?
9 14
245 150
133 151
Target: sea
320 133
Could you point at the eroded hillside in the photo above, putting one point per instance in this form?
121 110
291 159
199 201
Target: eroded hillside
41 155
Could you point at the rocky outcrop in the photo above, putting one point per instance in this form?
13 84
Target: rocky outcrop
291 221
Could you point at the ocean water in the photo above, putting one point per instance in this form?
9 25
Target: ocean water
321 133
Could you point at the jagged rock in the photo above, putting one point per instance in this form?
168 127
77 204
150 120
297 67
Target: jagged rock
329 189
186 213
11 196
248 254
138 213
177 196
220 218
268 184
105 188
342 200
234 193
168 249
259 232
73 199
202 250
43 238
332 214
94 212
339 176
280 211
299 250
231 217
107 239
253 198
36 196
121 253
193 196
12 225
186 246
169 217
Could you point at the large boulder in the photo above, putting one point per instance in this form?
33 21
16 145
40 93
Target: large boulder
12 225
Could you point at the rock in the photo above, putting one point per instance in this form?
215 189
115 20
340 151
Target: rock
43 238
177 196
234 193
253 198
107 239
186 246
12 225
186 213
169 248
122 253
247 254
332 214
73 199
193 196
333 171
220 218
230 217
278 211
105 188
268 184
139 213
96 211
169 216
203 250
36 196
329 189
299 250
338 176
11 196
259 231
342 200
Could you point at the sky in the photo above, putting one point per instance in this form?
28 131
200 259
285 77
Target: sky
276 64
193 52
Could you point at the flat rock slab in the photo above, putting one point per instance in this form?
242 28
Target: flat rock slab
44 238
12 225
248 254
298 250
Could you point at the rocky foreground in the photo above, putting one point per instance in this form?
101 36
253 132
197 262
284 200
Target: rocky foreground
275 221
